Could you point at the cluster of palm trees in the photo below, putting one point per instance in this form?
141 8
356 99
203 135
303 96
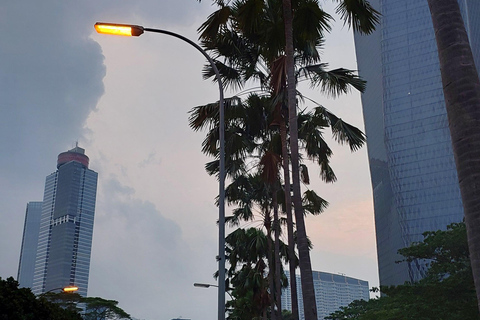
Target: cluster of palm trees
269 46
274 44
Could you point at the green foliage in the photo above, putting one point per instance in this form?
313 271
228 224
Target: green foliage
448 251
66 300
446 293
102 309
287 315
21 303
247 253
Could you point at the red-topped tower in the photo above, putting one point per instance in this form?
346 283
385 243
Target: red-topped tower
75 154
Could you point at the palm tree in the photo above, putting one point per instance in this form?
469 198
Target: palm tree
253 163
248 34
246 253
461 88
360 15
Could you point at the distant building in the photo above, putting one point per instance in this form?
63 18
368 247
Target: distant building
413 173
31 228
62 237
332 291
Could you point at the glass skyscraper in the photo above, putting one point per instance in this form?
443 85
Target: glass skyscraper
414 179
65 227
332 291
31 228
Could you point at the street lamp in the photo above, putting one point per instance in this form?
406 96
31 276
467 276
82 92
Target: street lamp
68 289
134 30
204 285
208 285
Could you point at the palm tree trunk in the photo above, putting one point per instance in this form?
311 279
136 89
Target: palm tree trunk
271 264
288 208
461 88
278 268
309 304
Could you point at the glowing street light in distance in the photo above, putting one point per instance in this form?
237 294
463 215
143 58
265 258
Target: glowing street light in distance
70 289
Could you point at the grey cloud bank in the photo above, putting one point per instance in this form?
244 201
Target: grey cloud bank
51 78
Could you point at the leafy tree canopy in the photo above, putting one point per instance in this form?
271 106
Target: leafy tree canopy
102 309
446 293
21 303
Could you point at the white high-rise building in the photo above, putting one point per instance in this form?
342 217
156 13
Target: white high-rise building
332 291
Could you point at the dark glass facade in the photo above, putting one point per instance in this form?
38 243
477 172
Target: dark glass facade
66 226
414 180
31 228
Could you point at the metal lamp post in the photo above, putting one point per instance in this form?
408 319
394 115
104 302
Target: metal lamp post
134 30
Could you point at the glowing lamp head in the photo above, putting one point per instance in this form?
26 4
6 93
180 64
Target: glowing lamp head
119 29
70 289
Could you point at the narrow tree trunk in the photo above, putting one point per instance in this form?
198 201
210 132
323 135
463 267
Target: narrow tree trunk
309 304
278 268
288 209
271 265
461 88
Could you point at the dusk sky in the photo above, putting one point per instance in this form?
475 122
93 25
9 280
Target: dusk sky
126 102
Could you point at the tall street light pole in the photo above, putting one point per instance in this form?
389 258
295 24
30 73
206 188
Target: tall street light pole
134 30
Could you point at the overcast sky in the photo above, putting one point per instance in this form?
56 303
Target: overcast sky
125 100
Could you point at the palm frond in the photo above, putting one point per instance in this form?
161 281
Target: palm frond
326 171
346 133
343 132
304 176
233 168
249 16
203 116
333 82
209 29
313 203
310 24
359 15
230 76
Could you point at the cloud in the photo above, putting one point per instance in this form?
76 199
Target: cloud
51 80
151 159
141 259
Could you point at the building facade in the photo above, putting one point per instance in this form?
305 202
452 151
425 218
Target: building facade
65 227
31 228
332 291
413 174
